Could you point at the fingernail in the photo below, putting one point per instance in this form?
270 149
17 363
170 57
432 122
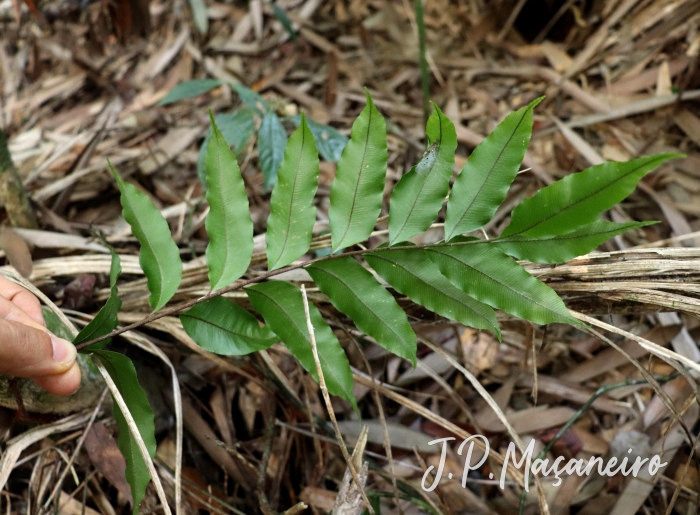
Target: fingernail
63 351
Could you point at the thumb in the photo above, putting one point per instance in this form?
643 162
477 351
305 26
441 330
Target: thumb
29 352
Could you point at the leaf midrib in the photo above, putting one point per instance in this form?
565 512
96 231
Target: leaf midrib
571 236
340 280
582 199
359 180
486 177
519 293
254 339
325 366
291 199
224 210
433 288
425 180
137 223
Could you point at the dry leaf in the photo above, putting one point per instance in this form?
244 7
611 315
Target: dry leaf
17 251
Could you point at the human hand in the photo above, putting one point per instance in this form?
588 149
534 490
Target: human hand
28 349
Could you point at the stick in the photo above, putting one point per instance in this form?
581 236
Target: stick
327 400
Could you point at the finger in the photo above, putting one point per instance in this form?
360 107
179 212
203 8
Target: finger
12 312
25 300
61 384
30 352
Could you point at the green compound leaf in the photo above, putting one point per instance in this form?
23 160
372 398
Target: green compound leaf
562 248
272 140
412 273
222 327
238 128
490 276
159 256
292 212
418 196
354 291
580 198
282 307
106 319
228 223
189 89
488 173
123 373
356 192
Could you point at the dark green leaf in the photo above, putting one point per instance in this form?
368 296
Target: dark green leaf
292 212
284 20
106 319
329 141
189 89
238 128
272 140
356 192
354 291
122 372
251 98
159 256
562 248
282 307
580 198
222 327
413 274
418 196
228 223
488 173
490 276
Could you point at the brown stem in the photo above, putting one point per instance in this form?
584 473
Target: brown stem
238 286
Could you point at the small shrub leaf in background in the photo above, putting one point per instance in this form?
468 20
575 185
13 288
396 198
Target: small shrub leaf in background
189 89
106 319
580 198
329 141
237 128
281 15
123 373
282 307
356 191
228 223
353 290
159 256
292 212
218 325
488 275
251 98
272 140
418 196
562 248
488 173
413 273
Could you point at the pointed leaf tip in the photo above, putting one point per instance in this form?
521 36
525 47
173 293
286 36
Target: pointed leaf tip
358 186
228 224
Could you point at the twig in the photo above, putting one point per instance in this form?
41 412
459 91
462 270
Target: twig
544 508
78 446
424 71
327 400
511 20
128 417
260 278
602 390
